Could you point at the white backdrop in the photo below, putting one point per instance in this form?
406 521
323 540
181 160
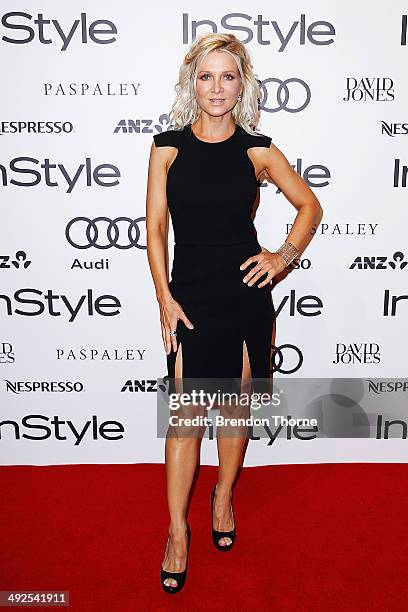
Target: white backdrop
78 116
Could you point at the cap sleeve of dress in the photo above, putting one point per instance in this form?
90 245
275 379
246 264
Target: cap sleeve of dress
169 138
266 140
259 141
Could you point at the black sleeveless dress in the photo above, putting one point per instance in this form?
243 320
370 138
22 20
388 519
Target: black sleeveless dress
211 188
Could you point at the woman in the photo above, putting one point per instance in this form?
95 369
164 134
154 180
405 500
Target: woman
216 312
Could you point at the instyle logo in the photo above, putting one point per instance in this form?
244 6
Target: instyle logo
315 175
50 302
28 128
53 173
50 32
404 21
387 428
6 353
390 303
39 427
319 33
305 306
357 352
287 432
18 387
377 262
103 233
400 174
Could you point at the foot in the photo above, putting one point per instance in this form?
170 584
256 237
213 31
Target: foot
175 556
223 519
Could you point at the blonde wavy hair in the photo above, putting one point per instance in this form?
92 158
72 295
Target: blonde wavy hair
185 108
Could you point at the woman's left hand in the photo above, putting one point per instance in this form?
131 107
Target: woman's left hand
266 262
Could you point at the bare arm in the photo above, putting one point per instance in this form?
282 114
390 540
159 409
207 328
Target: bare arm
157 225
157 219
299 194
310 213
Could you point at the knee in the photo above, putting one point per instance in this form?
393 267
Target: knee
184 437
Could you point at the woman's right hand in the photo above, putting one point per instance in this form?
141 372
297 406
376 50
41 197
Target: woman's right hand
170 312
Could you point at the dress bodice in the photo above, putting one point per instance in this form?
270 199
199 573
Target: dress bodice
211 187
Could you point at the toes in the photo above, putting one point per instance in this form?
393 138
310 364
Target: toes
170 582
225 541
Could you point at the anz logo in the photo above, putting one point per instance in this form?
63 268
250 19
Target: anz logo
377 262
140 386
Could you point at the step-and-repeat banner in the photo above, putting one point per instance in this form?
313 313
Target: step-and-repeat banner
85 86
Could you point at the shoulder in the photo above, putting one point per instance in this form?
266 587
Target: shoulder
255 140
169 138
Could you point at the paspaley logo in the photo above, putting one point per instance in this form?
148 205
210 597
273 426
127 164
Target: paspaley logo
363 229
34 386
50 302
48 31
100 354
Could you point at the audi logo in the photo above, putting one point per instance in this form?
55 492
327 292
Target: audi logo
282 95
103 233
277 359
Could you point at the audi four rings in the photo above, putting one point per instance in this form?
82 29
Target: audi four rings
110 227
278 353
283 100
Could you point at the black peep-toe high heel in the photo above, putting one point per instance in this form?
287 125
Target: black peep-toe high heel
179 576
218 535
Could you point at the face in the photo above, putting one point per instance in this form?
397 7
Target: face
218 83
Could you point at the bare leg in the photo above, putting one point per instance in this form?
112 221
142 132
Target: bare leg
181 461
230 459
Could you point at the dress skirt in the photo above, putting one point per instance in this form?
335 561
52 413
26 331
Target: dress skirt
207 282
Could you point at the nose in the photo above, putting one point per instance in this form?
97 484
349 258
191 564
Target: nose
217 85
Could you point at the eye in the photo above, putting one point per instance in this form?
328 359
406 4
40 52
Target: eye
230 77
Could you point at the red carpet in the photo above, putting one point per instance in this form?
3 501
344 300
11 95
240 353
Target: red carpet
309 537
